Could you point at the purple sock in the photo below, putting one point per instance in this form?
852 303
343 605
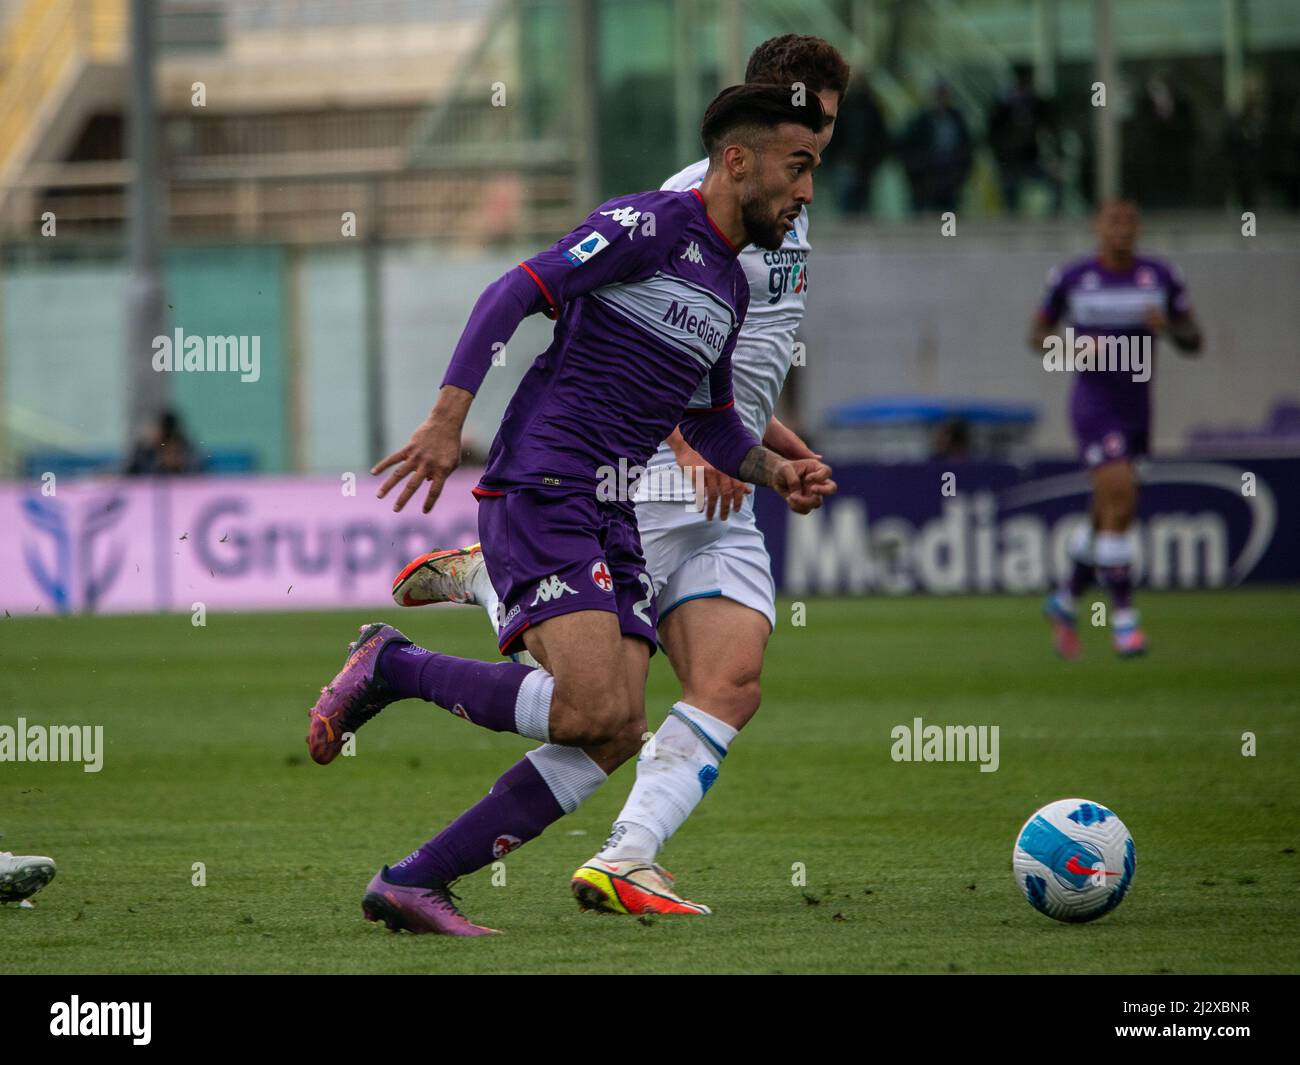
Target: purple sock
481 692
517 809
1081 578
1119 582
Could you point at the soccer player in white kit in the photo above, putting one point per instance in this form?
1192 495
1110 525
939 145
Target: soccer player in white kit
712 578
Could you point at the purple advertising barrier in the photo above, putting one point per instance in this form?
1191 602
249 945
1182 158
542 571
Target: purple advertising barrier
985 527
232 543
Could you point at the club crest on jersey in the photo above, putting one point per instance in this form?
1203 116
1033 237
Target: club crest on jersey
601 577
626 217
1145 277
588 246
692 254
551 588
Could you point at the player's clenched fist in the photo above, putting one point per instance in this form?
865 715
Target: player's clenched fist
802 484
433 452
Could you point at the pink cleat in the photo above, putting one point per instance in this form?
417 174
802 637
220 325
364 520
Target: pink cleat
422 910
1064 622
1130 643
356 694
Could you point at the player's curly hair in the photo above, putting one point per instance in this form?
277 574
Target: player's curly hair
797 57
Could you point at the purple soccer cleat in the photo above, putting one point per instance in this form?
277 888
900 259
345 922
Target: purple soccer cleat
422 910
356 694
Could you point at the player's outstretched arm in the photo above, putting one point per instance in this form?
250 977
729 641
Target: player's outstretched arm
434 448
432 453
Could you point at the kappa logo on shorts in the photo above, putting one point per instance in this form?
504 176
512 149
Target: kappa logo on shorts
601 577
551 588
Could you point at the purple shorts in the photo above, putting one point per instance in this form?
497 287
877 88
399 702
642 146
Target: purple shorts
551 552
1108 431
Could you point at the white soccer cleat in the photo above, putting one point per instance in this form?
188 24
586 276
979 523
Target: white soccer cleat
444 576
22 876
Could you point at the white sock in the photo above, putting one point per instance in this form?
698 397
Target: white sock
1080 546
1125 619
480 588
1113 549
533 706
674 771
569 773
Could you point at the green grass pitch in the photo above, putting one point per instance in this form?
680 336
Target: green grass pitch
907 865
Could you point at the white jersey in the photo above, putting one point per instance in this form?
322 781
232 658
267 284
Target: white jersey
778 295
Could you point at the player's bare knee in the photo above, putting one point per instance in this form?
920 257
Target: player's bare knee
599 718
731 697
630 739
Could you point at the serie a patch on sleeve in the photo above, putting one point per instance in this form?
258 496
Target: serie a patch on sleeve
588 246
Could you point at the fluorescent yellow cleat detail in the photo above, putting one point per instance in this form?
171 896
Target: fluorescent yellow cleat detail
630 886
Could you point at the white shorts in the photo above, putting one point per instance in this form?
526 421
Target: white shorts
690 557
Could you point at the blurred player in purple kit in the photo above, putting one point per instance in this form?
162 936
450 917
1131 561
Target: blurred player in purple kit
649 299
1118 301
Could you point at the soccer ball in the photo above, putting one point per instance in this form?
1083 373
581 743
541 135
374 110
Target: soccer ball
1074 860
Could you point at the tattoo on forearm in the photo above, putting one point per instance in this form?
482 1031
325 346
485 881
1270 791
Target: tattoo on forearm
759 466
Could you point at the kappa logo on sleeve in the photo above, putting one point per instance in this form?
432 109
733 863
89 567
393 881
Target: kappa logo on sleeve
625 216
588 246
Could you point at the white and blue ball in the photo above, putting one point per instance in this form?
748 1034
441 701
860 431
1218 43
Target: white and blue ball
1074 860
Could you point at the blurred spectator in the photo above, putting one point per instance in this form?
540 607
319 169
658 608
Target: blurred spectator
1244 139
951 441
166 451
936 153
861 145
1019 124
1163 145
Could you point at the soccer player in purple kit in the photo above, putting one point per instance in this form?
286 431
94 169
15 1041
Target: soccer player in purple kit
649 299
1122 302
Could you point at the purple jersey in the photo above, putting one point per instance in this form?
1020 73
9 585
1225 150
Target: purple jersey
649 299
1111 411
